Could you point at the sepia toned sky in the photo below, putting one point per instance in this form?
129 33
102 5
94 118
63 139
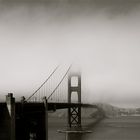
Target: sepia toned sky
102 37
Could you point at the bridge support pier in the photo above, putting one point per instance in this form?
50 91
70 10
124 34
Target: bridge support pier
10 101
46 117
74 134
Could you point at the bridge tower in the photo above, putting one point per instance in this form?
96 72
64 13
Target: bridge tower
74 87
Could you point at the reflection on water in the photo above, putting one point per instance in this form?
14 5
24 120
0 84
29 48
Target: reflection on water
74 137
124 128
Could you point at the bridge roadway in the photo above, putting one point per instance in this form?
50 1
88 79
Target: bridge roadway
52 106
36 107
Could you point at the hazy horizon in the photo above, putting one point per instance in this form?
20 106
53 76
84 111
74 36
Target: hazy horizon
100 37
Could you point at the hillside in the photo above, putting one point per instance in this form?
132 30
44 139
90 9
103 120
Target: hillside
112 111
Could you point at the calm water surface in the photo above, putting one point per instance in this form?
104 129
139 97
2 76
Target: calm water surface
124 128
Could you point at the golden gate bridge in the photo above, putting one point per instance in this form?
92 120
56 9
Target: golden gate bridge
29 115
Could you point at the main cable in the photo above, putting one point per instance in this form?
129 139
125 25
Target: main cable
60 81
43 83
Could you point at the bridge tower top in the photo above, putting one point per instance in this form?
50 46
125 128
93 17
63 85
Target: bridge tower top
74 85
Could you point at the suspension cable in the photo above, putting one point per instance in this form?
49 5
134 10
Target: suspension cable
43 83
60 81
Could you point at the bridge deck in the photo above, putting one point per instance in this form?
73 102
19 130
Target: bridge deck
51 106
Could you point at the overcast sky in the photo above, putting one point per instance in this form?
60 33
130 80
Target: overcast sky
103 38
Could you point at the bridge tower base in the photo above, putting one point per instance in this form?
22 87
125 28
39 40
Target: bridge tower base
74 134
